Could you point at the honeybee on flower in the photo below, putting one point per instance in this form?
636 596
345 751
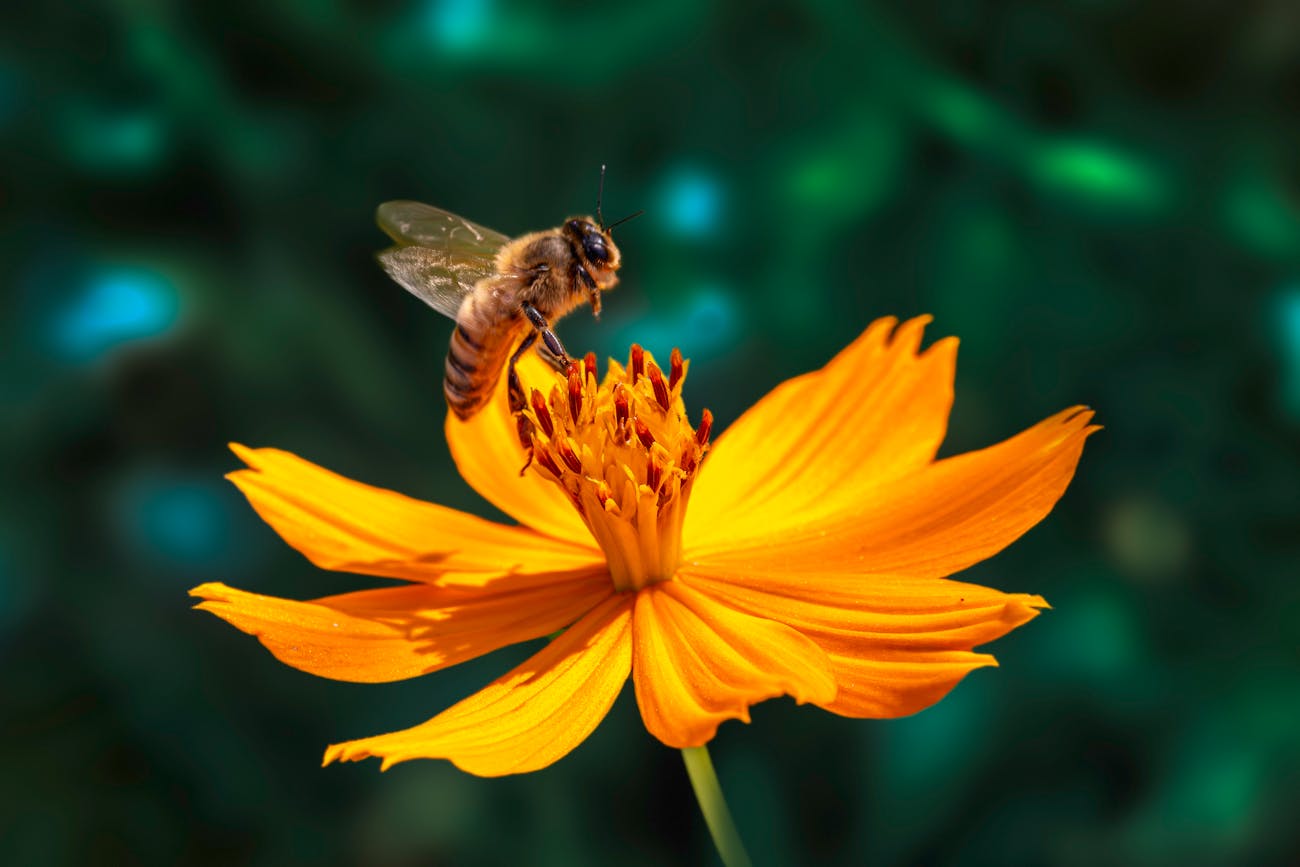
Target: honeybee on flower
502 293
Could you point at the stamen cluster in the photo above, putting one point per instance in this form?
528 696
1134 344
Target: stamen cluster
626 455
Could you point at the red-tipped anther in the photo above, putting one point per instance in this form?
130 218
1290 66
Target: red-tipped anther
543 413
575 392
706 426
568 455
589 362
677 368
543 457
604 492
643 433
621 409
638 362
654 473
660 387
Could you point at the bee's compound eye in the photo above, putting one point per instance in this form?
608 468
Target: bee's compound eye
593 246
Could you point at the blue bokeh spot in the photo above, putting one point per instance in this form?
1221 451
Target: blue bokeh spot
458 23
707 325
182 522
691 201
116 306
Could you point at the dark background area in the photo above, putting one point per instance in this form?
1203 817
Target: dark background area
1102 199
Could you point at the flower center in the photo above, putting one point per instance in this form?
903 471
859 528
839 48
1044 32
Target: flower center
625 453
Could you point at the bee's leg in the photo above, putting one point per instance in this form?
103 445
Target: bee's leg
515 392
556 363
558 357
518 400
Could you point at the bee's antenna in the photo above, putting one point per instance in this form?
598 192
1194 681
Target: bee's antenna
600 194
631 216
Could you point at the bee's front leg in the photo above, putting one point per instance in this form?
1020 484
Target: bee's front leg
558 357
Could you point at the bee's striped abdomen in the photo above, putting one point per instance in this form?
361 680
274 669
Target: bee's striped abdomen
464 383
476 358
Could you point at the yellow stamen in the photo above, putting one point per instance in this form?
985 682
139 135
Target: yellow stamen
626 455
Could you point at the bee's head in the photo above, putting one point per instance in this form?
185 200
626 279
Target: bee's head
596 251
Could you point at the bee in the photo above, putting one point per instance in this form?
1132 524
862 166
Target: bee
503 294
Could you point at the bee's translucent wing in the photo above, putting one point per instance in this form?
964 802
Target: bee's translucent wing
439 278
414 224
439 256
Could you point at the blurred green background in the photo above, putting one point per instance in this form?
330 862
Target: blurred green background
1102 199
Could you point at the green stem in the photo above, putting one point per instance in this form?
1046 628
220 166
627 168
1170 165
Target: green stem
714 807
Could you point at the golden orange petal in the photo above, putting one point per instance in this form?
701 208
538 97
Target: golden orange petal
934 522
823 441
896 643
487 451
347 526
698 662
890 688
529 718
375 636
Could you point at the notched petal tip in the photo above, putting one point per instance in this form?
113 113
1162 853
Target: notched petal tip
1032 601
1074 418
1019 610
209 590
251 465
341 753
259 459
221 600
907 336
243 452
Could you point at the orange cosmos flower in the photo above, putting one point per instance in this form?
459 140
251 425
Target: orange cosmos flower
811 561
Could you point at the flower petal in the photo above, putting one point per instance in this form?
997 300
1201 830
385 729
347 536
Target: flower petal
487 452
934 522
346 526
822 441
529 718
897 644
375 636
698 662
889 688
